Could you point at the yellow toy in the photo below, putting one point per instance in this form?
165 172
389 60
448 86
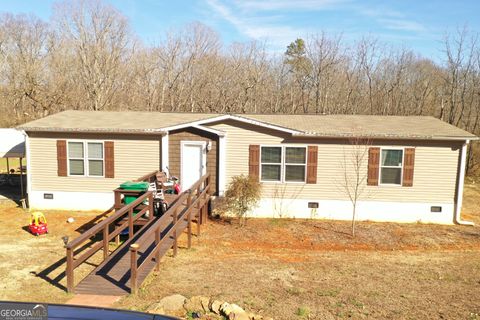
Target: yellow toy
38 223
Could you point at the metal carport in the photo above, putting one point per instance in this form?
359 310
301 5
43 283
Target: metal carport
12 145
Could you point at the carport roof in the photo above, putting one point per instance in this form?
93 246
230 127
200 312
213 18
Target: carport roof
12 143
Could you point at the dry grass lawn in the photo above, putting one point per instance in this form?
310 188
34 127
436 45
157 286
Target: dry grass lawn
28 263
283 268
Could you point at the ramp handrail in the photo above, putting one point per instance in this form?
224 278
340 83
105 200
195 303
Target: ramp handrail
196 198
104 227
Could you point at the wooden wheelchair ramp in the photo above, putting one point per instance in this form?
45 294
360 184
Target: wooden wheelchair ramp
124 269
112 277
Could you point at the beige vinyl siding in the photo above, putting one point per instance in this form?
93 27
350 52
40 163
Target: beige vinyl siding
135 156
238 138
435 172
175 139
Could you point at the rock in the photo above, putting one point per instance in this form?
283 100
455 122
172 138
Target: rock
233 311
228 308
195 303
237 315
70 220
225 308
169 305
215 306
205 301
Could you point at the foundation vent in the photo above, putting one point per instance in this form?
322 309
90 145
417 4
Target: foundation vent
313 205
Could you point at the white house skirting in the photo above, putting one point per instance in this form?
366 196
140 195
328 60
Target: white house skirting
274 208
79 201
366 210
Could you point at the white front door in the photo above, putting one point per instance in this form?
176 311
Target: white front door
193 163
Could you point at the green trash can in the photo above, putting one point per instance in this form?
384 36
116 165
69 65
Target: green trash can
142 187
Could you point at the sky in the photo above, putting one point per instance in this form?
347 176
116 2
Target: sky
419 25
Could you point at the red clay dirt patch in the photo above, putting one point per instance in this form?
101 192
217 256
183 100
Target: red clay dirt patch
317 235
278 268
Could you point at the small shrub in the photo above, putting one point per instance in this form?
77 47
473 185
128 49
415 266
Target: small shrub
303 312
474 316
242 195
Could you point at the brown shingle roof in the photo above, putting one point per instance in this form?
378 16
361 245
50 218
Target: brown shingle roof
423 127
395 127
112 121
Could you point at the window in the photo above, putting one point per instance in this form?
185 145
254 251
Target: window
85 158
391 166
76 159
271 159
95 158
295 162
287 164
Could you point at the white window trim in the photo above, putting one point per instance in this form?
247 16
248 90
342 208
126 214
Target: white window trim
283 163
401 167
85 159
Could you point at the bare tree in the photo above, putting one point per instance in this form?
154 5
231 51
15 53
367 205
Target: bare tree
324 55
355 173
460 52
369 57
99 37
86 57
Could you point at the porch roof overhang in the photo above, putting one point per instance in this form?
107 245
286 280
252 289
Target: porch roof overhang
217 132
232 117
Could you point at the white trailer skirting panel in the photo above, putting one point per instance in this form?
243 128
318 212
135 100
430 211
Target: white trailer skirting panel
78 201
366 210
273 208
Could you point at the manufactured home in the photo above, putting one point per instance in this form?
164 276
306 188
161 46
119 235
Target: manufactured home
414 166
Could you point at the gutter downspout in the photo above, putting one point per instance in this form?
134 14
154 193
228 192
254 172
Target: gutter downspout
461 181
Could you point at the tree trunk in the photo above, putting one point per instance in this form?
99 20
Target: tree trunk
354 211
